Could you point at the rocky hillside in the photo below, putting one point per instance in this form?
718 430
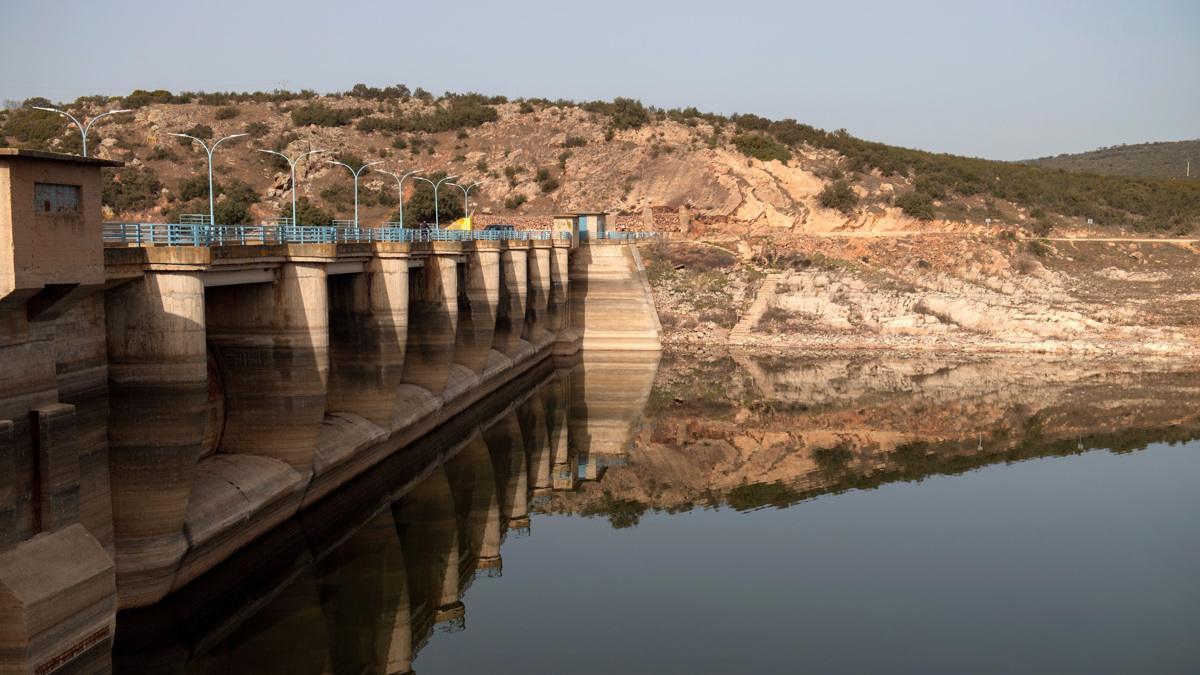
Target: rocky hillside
933 291
537 157
1159 160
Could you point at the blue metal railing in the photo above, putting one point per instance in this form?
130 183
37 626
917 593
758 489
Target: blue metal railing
624 236
202 234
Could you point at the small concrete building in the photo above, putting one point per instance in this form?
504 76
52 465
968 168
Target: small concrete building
592 224
57 577
583 226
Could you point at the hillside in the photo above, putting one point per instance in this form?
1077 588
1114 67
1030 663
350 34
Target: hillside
1156 160
537 157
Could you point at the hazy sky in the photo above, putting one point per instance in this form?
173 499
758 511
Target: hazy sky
1006 79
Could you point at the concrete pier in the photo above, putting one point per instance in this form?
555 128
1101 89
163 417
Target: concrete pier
514 288
271 343
433 314
537 320
478 304
157 371
368 334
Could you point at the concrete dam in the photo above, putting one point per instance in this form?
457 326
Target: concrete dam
163 407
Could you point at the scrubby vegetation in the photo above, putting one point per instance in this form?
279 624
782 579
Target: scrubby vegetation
130 189
419 207
942 186
307 213
202 131
917 205
1160 160
322 115
33 128
838 195
1144 204
458 112
760 146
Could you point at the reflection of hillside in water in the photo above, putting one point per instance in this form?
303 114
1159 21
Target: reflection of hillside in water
364 579
752 431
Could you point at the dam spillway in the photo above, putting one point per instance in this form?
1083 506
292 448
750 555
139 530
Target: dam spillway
162 407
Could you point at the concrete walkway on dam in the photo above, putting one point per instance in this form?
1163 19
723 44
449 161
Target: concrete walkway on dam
163 407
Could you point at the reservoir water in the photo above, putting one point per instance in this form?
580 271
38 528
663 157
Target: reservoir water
722 513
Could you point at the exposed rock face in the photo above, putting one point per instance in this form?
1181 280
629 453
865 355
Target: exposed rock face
949 292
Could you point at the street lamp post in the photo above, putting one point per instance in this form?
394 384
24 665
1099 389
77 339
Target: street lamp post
437 216
209 151
83 128
356 174
292 165
400 188
466 191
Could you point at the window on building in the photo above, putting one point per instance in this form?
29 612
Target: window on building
52 198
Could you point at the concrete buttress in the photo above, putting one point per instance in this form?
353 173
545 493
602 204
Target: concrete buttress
514 280
368 336
272 347
432 322
158 388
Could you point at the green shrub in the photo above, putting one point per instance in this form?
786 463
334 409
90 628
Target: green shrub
347 157
548 185
419 207
459 113
340 195
525 108
139 98
574 142
838 195
257 129
515 202
130 189
916 205
563 157
226 113
396 92
195 188
307 213
231 212
322 115
35 129
197 130
399 143
628 113
762 147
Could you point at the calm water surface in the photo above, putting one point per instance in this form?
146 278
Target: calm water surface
741 514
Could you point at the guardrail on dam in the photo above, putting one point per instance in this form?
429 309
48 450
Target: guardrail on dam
161 407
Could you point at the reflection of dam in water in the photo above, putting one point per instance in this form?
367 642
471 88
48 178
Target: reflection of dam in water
382 569
365 578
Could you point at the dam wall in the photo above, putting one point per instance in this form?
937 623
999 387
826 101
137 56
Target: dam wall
612 306
162 407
